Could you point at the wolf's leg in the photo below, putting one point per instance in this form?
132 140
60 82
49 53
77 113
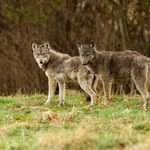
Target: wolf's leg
142 88
88 98
62 87
140 78
51 91
107 91
95 86
133 88
87 88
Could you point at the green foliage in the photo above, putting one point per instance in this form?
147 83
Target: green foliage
142 126
148 1
19 116
58 3
16 132
106 140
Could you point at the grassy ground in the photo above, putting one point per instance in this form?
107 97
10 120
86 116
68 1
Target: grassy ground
26 124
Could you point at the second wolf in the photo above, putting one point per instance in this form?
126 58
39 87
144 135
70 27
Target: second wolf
60 68
110 66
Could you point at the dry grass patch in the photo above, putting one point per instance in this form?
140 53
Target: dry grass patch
84 132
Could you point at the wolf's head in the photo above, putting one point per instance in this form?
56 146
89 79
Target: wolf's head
41 52
86 53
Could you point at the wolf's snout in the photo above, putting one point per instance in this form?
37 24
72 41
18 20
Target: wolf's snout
41 62
85 63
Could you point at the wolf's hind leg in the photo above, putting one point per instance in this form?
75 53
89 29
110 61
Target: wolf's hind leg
62 87
140 78
142 88
52 84
133 88
107 91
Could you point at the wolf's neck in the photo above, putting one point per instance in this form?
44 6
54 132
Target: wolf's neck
94 65
96 59
55 60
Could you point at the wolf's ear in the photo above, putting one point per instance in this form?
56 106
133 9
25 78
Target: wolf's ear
34 46
47 45
92 44
79 45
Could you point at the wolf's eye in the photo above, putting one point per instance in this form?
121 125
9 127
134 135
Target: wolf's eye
44 54
82 55
87 54
37 54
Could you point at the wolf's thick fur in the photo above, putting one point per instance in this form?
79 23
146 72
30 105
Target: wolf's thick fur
61 68
110 66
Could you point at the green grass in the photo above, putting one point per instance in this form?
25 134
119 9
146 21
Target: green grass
75 126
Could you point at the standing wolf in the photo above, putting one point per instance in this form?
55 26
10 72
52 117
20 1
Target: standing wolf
110 66
60 68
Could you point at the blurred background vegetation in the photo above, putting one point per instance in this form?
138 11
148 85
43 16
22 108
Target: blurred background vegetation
112 24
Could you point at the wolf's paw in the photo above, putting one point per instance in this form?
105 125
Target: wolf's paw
146 103
93 104
47 102
61 104
95 100
106 102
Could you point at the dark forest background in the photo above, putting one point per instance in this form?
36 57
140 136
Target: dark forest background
112 24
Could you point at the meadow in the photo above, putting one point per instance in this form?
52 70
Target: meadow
26 124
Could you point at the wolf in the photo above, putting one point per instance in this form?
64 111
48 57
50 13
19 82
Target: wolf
62 68
110 65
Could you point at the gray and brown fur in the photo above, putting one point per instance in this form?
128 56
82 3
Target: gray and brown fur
61 68
109 66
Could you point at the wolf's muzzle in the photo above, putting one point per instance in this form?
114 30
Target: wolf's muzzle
85 63
41 62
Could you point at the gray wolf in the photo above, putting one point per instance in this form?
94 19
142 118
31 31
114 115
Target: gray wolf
61 68
109 66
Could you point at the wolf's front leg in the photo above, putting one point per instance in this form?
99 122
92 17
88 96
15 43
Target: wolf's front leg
95 86
62 87
52 84
88 89
107 91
